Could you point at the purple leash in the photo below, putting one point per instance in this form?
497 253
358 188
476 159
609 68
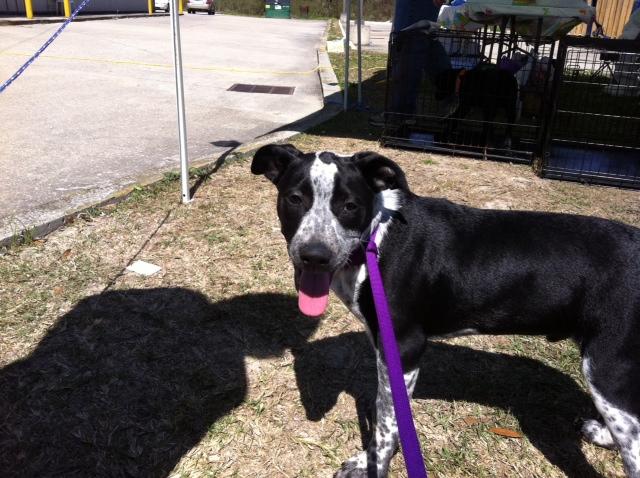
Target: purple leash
406 429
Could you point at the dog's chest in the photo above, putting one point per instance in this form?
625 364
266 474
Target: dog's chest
346 285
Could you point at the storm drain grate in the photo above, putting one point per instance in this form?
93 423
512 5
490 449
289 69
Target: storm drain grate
268 89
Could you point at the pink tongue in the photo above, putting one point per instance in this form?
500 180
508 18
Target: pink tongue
313 296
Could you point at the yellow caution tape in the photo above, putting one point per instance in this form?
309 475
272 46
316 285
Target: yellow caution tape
168 65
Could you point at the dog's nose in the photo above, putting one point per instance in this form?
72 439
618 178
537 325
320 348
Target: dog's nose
315 254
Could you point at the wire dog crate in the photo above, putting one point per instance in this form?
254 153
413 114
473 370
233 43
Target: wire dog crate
594 127
480 93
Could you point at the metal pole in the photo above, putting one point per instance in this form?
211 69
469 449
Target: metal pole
346 54
359 52
594 4
182 126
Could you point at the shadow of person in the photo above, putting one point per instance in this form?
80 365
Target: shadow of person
128 381
545 401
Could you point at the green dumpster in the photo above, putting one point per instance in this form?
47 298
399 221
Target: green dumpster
277 8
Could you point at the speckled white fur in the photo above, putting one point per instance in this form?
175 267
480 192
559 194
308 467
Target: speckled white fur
622 426
598 434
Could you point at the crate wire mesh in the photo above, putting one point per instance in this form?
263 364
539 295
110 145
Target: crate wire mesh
594 133
477 93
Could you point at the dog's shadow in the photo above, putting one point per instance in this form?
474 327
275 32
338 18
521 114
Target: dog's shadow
545 401
128 381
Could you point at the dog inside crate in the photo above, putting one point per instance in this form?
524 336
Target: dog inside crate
481 90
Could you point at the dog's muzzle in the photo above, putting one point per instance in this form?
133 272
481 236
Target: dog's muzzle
313 278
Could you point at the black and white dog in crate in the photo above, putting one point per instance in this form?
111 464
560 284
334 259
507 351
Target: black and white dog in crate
453 270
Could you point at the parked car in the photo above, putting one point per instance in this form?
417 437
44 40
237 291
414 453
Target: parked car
161 5
208 6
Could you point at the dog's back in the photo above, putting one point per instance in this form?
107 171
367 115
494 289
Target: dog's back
489 89
486 87
479 267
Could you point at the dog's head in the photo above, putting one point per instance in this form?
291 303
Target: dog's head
326 202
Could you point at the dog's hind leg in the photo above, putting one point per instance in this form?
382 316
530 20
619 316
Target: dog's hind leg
512 114
488 118
455 119
612 389
511 110
374 462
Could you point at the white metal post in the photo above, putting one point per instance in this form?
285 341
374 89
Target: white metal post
359 52
182 124
346 53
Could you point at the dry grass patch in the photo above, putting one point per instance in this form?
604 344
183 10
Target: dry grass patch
207 369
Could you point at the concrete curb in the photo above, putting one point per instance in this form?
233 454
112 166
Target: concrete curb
79 18
352 44
332 96
371 46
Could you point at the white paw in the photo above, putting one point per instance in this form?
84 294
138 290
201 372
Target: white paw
354 467
598 434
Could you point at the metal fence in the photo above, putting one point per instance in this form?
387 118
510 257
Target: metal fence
594 133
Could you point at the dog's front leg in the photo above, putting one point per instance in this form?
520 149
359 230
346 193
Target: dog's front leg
374 462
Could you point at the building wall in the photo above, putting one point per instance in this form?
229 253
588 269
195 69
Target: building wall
43 7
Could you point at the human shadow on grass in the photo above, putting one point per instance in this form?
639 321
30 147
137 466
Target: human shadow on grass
128 381
545 401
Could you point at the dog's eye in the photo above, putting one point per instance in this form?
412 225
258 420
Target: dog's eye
294 199
350 206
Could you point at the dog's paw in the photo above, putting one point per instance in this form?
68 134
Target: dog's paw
595 432
355 467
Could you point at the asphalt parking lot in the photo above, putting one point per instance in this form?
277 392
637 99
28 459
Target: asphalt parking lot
97 111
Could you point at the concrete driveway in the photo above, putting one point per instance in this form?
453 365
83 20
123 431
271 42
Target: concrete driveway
97 111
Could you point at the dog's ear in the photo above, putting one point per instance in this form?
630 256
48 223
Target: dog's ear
272 159
381 173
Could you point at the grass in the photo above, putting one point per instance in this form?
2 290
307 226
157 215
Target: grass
355 124
25 237
333 30
207 369
374 67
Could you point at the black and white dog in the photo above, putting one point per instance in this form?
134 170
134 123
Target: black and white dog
453 270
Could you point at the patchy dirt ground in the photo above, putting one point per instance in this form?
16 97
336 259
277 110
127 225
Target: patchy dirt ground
207 369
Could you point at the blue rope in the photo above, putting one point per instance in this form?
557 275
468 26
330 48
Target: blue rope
43 47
